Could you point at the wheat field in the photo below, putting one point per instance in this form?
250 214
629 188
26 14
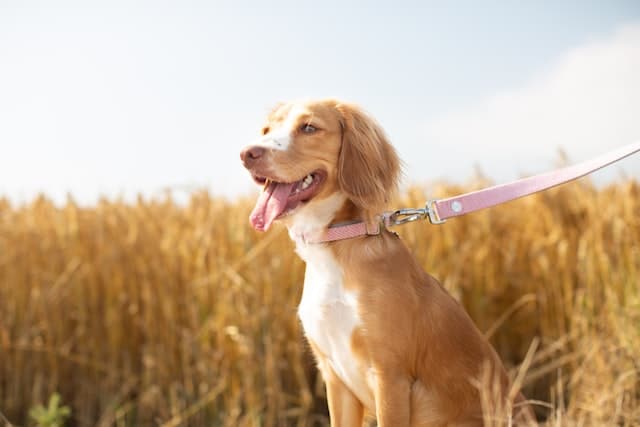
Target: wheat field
158 313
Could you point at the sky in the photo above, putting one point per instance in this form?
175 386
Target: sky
117 98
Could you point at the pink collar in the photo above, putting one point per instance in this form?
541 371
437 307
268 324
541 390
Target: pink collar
439 210
350 230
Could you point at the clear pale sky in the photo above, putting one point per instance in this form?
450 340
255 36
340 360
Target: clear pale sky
120 97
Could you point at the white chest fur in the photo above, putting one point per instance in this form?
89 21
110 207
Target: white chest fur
329 315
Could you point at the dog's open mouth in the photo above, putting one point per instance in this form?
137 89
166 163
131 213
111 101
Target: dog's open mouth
279 198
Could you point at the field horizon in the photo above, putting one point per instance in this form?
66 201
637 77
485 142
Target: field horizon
161 313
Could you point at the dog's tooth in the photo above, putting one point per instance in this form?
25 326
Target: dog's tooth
305 183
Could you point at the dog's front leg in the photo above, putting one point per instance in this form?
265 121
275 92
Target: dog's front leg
345 410
393 395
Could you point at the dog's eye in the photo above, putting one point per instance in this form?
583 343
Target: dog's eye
308 128
265 130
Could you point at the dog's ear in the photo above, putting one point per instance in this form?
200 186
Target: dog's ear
368 166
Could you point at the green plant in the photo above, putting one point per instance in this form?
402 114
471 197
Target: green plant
53 415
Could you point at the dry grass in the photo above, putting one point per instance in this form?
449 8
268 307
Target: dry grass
156 314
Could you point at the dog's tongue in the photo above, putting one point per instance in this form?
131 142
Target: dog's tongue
271 203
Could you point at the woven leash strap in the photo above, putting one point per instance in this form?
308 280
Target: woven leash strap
492 196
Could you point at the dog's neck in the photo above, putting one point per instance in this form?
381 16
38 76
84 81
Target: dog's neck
310 223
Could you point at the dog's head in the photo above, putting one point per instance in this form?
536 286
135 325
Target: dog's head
312 152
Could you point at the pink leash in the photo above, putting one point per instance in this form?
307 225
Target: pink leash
438 211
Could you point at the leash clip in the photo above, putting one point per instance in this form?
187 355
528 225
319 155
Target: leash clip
432 213
403 216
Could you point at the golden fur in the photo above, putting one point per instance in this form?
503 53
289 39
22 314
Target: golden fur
418 342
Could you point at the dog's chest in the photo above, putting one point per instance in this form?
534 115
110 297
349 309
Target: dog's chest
329 315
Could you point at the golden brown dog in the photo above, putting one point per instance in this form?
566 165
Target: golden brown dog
388 339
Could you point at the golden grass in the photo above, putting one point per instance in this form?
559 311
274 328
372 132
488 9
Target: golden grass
156 314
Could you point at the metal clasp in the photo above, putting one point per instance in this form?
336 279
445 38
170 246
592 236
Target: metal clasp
432 213
403 216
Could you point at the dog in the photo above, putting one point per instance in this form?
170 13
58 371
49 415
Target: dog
387 337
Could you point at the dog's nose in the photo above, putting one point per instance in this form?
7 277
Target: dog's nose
251 154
